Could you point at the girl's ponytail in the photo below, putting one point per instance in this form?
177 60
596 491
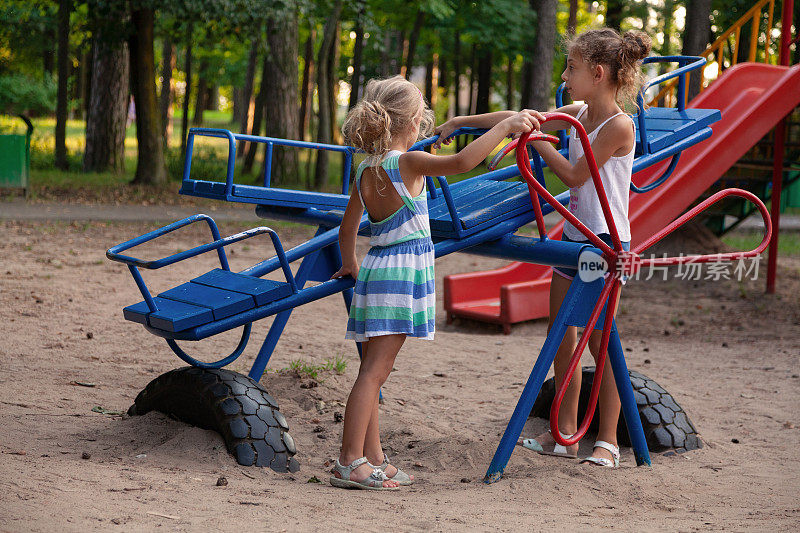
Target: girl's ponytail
368 127
635 47
389 108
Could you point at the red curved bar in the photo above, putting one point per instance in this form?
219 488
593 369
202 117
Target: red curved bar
525 170
699 208
610 294
537 136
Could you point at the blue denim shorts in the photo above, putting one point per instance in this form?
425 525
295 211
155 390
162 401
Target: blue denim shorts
570 273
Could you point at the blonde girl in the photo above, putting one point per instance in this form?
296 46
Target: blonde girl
394 291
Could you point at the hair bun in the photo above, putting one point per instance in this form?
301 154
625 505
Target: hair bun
636 45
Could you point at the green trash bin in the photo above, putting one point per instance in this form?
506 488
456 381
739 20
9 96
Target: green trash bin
15 158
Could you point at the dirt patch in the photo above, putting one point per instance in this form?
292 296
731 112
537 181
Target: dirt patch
727 352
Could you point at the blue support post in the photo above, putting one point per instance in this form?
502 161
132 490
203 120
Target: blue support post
275 330
578 302
617 359
268 165
534 384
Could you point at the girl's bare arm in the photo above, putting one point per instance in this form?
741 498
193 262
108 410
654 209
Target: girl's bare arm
347 236
616 135
420 163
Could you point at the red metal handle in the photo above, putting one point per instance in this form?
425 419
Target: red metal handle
699 208
535 187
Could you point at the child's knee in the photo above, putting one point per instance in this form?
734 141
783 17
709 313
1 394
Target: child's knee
374 374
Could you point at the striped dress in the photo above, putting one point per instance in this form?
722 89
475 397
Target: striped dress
394 292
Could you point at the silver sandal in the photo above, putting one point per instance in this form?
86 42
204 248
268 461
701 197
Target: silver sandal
372 482
400 477
602 461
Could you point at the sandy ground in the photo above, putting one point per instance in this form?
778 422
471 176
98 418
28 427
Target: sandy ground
726 352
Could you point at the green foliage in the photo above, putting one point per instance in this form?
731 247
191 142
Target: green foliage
788 242
208 163
303 369
22 94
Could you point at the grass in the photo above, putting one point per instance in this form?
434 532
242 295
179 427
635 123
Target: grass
302 369
788 241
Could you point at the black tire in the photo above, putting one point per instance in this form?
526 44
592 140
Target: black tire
666 425
235 406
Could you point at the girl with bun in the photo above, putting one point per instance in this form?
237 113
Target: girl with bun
394 292
603 71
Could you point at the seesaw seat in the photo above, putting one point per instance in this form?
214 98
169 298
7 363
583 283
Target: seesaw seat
213 296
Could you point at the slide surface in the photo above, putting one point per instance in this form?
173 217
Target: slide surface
752 98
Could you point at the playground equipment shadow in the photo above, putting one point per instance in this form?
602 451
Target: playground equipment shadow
726 352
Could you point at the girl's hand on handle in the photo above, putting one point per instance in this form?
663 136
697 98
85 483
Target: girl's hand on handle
347 270
523 122
444 131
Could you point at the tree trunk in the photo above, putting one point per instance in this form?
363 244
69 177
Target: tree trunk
258 116
212 98
484 81
165 98
49 56
457 79
202 94
333 81
307 88
431 80
64 8
281 113
80 85
413 39
324 81
572 21
695 38
545 45
358 49
614 14
246 111
108 111
150 167
187 69
510 83
472 71
86 74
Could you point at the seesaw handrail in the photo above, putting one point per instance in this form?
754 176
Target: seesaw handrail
525 169
114 253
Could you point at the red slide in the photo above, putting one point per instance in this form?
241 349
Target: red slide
752 98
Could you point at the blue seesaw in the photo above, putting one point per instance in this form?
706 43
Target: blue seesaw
478 215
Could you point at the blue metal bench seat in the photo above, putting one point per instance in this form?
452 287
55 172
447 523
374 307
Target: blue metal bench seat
213 296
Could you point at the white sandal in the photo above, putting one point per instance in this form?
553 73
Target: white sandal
558 449
401 477
602 461
372 482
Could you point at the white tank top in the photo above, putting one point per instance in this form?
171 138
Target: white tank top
616 178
